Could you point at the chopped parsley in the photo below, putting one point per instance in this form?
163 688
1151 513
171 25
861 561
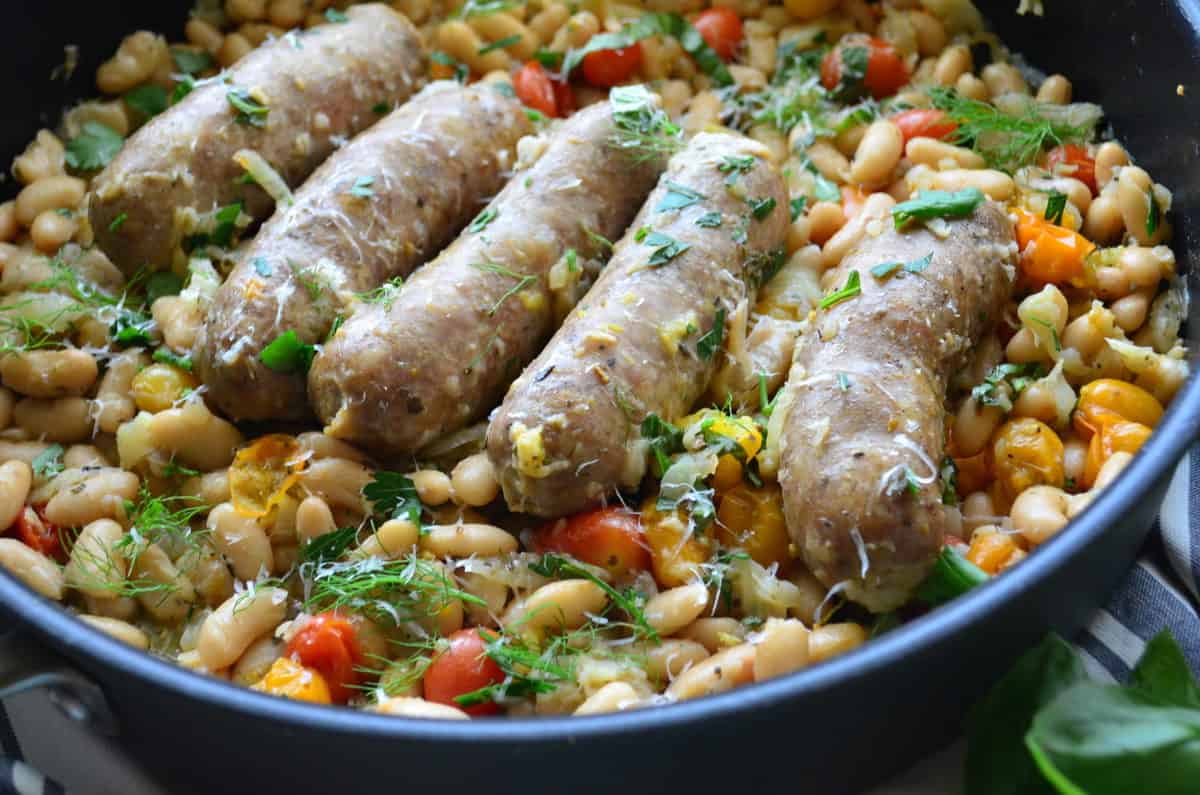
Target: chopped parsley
1153 213
678 197
666 248
162 284
330 546
94 148
948 481
1056 205
482 220
843 382
761 208
796 207
852 288
167 356
937 204
131 329
885 269
381 108
665 440
363 188
711 342
191 62
500 44
250 111
642 127
335 16
393 496
262 267
288 354
148 99
1004 382
852 74
548 58
734 167
118 222
711 220
49 462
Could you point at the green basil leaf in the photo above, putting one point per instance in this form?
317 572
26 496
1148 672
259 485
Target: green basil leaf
937 204
852 288
1163 673
148 100
997 762
288 354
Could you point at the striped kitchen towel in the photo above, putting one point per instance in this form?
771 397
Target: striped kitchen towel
1162 590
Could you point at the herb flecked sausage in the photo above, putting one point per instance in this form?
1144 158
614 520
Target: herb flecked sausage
374 211
318 88
863 431
646 338
397 376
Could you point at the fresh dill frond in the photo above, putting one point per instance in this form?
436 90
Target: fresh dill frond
1007 141
523 280
388 591
629 601
528 669
642 128
385 294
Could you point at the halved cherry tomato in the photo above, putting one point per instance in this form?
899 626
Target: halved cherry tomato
564 98
1070 160
924 123
721 29
463 667
885 71
607 68
328 644
535 89
611 538
38 534
1050 254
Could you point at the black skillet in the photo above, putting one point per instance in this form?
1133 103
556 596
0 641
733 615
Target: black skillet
837 727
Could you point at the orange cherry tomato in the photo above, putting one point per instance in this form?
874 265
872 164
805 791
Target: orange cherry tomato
885 71
612 67
38 534
329 645
1050 254
721 29
611 538
463 667
534 87
924 123
1070 160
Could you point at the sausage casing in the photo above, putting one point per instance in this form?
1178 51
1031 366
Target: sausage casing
567 432
864 426
375 210
394 378
320 87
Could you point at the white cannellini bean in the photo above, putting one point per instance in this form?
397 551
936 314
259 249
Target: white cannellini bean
715 634
242 540
96 567
722 671
673 656
195 436
672 610
465 540
877 155
32 568
392 539
15 479
613 697
101 495
238 622
781 647
474 481
174 601
558 605
313 519
409 707
121 630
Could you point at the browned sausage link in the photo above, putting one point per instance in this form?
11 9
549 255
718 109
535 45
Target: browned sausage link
566 433
375 210
319 87
863 433
396 377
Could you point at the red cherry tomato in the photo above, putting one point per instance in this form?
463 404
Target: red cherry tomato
885 73
328 643
36 533
462 668
607 68
924 123
1074 161
611 538
721 28
534 87
564 98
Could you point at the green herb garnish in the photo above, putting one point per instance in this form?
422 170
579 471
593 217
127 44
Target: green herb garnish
952 576
191 62
94 147
49 462
937 204
678 197
148 99
523 281
852 288
288 354
1056 205
711 342
500 44
761 208
250 111
666 248
482 220
363 188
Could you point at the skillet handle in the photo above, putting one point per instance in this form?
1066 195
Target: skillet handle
26 665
